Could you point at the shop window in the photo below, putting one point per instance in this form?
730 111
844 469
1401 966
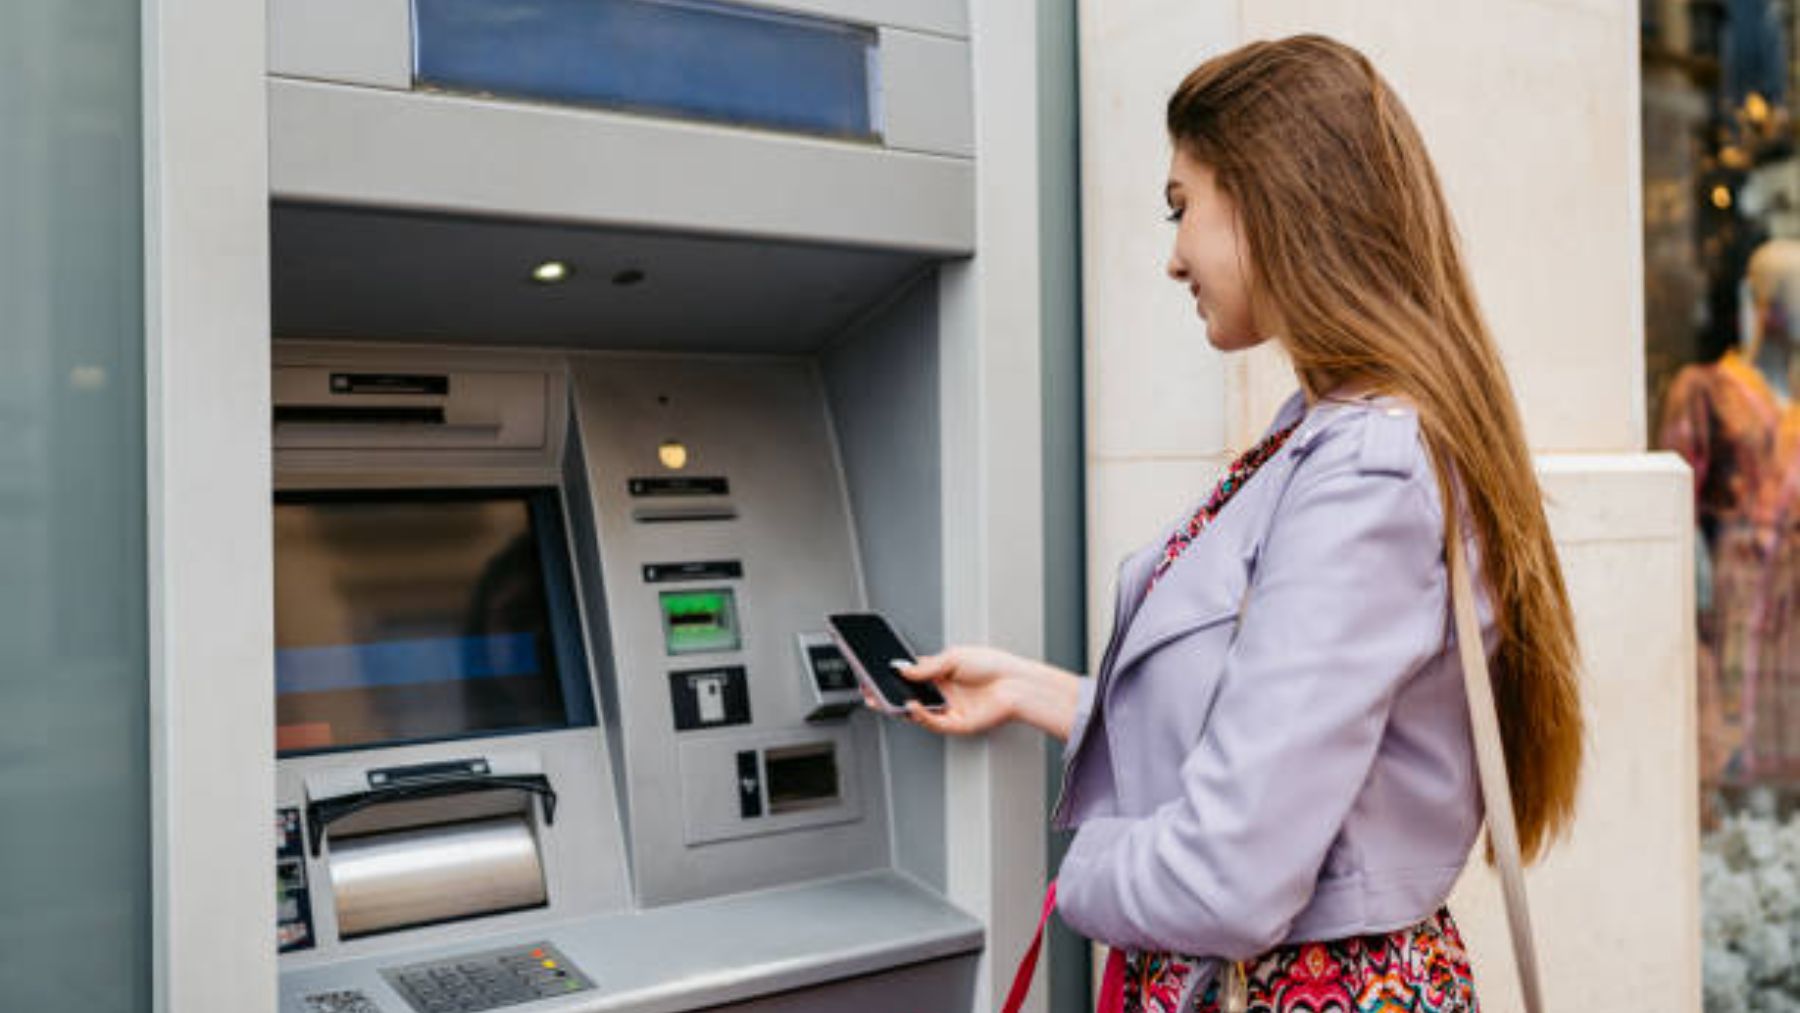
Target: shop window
1722 280
684 58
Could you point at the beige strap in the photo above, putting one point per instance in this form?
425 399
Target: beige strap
1490 758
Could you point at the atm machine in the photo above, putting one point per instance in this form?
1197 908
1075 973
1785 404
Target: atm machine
598 382
556 716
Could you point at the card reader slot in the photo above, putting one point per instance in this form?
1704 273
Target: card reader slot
358 415
683 515
322 814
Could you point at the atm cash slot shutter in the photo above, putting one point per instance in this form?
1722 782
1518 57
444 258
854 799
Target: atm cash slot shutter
422 876
463 410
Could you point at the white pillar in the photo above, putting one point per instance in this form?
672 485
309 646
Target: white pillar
212 721
993 491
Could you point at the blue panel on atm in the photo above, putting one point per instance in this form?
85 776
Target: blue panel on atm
687 58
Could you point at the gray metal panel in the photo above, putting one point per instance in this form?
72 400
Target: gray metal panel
723 950
937 985
377 459
709 779
367 42
883 385
759 422
590 584
343 145
366 274
582 853
927 93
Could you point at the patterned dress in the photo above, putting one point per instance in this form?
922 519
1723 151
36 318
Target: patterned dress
1422 968
1726 422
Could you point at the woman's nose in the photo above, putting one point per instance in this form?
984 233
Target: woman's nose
1176 271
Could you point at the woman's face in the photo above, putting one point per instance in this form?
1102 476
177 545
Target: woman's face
1210 256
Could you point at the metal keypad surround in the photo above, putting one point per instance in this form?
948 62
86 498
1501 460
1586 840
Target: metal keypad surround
471 982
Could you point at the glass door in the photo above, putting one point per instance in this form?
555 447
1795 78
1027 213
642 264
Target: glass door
74 756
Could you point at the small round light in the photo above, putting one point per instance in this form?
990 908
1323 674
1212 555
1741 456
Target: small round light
1756 108
1721 197
673 454
550 272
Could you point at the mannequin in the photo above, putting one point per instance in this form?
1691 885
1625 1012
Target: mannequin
1726 418
1772 697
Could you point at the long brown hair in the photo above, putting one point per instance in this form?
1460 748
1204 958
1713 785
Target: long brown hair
1351 246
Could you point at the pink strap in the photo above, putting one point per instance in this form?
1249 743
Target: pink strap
1112 983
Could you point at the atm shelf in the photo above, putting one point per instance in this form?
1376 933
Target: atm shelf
707 953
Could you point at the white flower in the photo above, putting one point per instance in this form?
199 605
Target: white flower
1779 889
1731 908
1726 981
1768 952
1750 911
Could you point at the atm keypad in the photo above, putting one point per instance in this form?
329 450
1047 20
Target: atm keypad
484 981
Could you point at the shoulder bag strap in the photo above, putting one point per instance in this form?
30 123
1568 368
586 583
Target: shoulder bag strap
1490 758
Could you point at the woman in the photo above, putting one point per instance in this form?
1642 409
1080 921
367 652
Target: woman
1271 775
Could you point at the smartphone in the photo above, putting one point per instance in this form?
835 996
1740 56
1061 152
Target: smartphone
872 646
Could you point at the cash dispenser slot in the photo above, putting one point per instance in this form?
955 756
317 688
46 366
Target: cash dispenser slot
801 777
435 843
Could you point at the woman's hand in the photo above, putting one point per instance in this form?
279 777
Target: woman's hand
984 687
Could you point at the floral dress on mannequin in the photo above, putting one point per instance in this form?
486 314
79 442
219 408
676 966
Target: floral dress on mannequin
1775 724
1723 419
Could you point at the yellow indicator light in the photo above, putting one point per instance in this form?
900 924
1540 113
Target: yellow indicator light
550 964
673 454
550 272
1721 197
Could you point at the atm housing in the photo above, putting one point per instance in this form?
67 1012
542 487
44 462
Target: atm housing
591 721
553 562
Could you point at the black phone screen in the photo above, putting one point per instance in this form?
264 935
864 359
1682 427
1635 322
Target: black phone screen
874 644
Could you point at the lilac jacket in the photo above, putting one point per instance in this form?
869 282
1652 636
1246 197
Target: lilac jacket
1302 770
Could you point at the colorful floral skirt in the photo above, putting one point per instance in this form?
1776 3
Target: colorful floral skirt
1419 969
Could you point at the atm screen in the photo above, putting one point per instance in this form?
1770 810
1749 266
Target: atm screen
409 617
